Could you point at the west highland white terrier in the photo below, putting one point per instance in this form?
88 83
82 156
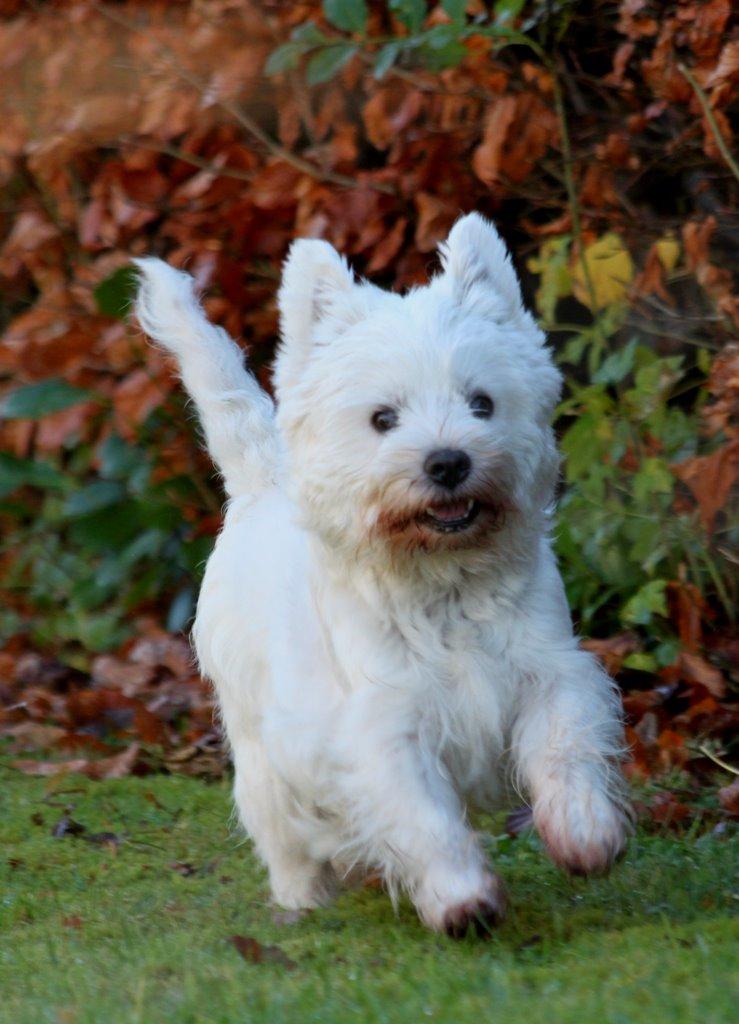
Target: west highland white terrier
382 616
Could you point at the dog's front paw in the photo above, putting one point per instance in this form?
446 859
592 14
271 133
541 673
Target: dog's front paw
455 906
583 835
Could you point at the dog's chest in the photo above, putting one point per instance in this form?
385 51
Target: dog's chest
466 694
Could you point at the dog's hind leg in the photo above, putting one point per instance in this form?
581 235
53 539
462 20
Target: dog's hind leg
298 879
236 415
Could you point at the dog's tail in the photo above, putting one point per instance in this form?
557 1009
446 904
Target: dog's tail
236 415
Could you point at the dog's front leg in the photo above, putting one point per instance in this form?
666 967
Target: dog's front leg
405 818
568 743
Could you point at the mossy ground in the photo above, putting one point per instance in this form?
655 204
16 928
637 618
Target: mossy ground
139 934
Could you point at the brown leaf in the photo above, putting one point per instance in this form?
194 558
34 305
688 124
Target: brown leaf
50 768
387 249
711 479
127 676
135 398
163 649
31 735
486 159
254 952
435 218
667 810
688 608
115 767
697 670
723 383
727 68
389 112
613 650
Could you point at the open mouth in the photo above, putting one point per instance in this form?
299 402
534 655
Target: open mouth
451 516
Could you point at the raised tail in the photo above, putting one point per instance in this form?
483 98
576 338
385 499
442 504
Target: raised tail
236 414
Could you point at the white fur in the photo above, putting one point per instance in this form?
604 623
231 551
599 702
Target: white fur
373 687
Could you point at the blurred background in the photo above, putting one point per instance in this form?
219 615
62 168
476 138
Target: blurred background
598 136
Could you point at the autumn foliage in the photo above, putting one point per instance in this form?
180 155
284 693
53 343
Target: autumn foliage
598 136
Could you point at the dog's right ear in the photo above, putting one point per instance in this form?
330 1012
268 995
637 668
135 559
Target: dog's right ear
317 288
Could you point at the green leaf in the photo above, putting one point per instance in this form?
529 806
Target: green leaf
348 15
95 496
667 653
115 294
506 10
385 59
441 48
648 601
16 473
584 442
617 366
551 263
108 528
653 477
284 58
309 34
119 459
456 9
324 64
36 400
412 13
640 661
101 632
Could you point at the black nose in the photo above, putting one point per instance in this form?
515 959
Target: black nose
448 467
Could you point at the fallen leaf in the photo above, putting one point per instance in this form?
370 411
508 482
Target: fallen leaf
486 159
613 650
697 670
66 826
183 868
711 479
256 953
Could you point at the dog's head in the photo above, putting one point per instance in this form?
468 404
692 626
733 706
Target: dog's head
418 421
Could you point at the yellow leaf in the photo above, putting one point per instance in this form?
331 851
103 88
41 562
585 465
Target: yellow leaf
611 272
668 250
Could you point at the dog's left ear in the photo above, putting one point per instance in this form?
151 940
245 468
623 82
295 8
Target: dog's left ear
318 287
478 269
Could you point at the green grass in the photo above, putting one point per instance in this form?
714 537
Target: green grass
91 934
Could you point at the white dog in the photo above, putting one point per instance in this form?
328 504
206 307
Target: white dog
382 616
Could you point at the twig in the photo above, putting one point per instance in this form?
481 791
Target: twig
573 200
250 125
711 118
717 760
432 88
189 158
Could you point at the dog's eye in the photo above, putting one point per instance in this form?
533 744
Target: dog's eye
384 419
481 405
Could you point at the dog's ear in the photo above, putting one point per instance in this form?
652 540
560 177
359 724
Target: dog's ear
478 269
317 286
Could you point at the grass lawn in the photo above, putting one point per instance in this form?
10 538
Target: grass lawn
94 931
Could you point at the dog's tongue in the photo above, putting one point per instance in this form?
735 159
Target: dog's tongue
449 511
